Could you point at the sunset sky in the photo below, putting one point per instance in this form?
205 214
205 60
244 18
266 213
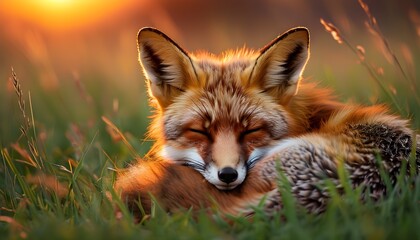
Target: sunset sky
63 14
52 40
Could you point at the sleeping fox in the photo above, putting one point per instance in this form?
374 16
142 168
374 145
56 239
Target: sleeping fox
225 124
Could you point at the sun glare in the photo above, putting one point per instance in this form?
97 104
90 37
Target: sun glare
57 2
60 1
58 14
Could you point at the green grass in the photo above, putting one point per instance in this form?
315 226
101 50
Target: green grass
86 212
58 161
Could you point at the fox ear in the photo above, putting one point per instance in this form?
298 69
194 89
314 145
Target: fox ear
167 67
279 66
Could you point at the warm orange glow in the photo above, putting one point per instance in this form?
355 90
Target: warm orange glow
60 14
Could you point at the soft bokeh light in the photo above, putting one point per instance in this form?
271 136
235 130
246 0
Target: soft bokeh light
65 51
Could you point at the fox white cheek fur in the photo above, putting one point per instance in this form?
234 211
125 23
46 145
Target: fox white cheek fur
189 157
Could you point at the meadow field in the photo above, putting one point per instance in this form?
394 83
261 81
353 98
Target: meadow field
74 109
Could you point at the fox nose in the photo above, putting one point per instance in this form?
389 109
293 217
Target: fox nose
227 175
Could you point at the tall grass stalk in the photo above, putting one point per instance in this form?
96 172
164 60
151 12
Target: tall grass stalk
360 53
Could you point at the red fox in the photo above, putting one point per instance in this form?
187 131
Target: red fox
223 124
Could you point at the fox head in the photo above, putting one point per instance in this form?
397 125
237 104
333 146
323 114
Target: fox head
220 115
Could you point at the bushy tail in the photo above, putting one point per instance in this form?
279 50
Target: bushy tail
366 152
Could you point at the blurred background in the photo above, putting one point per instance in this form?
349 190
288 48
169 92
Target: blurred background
76 60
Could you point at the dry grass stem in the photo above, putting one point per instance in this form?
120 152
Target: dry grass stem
28 123
27 159
81 88
21 101
374 28
335 33
360 52
49 183
15 226
117 134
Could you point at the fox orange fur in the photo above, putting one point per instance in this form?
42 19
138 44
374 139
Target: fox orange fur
223 123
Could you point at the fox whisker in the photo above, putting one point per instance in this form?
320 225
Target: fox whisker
255 156
252 161
193 163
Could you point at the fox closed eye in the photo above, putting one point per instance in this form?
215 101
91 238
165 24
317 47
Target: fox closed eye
199 131
243 134
252 130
